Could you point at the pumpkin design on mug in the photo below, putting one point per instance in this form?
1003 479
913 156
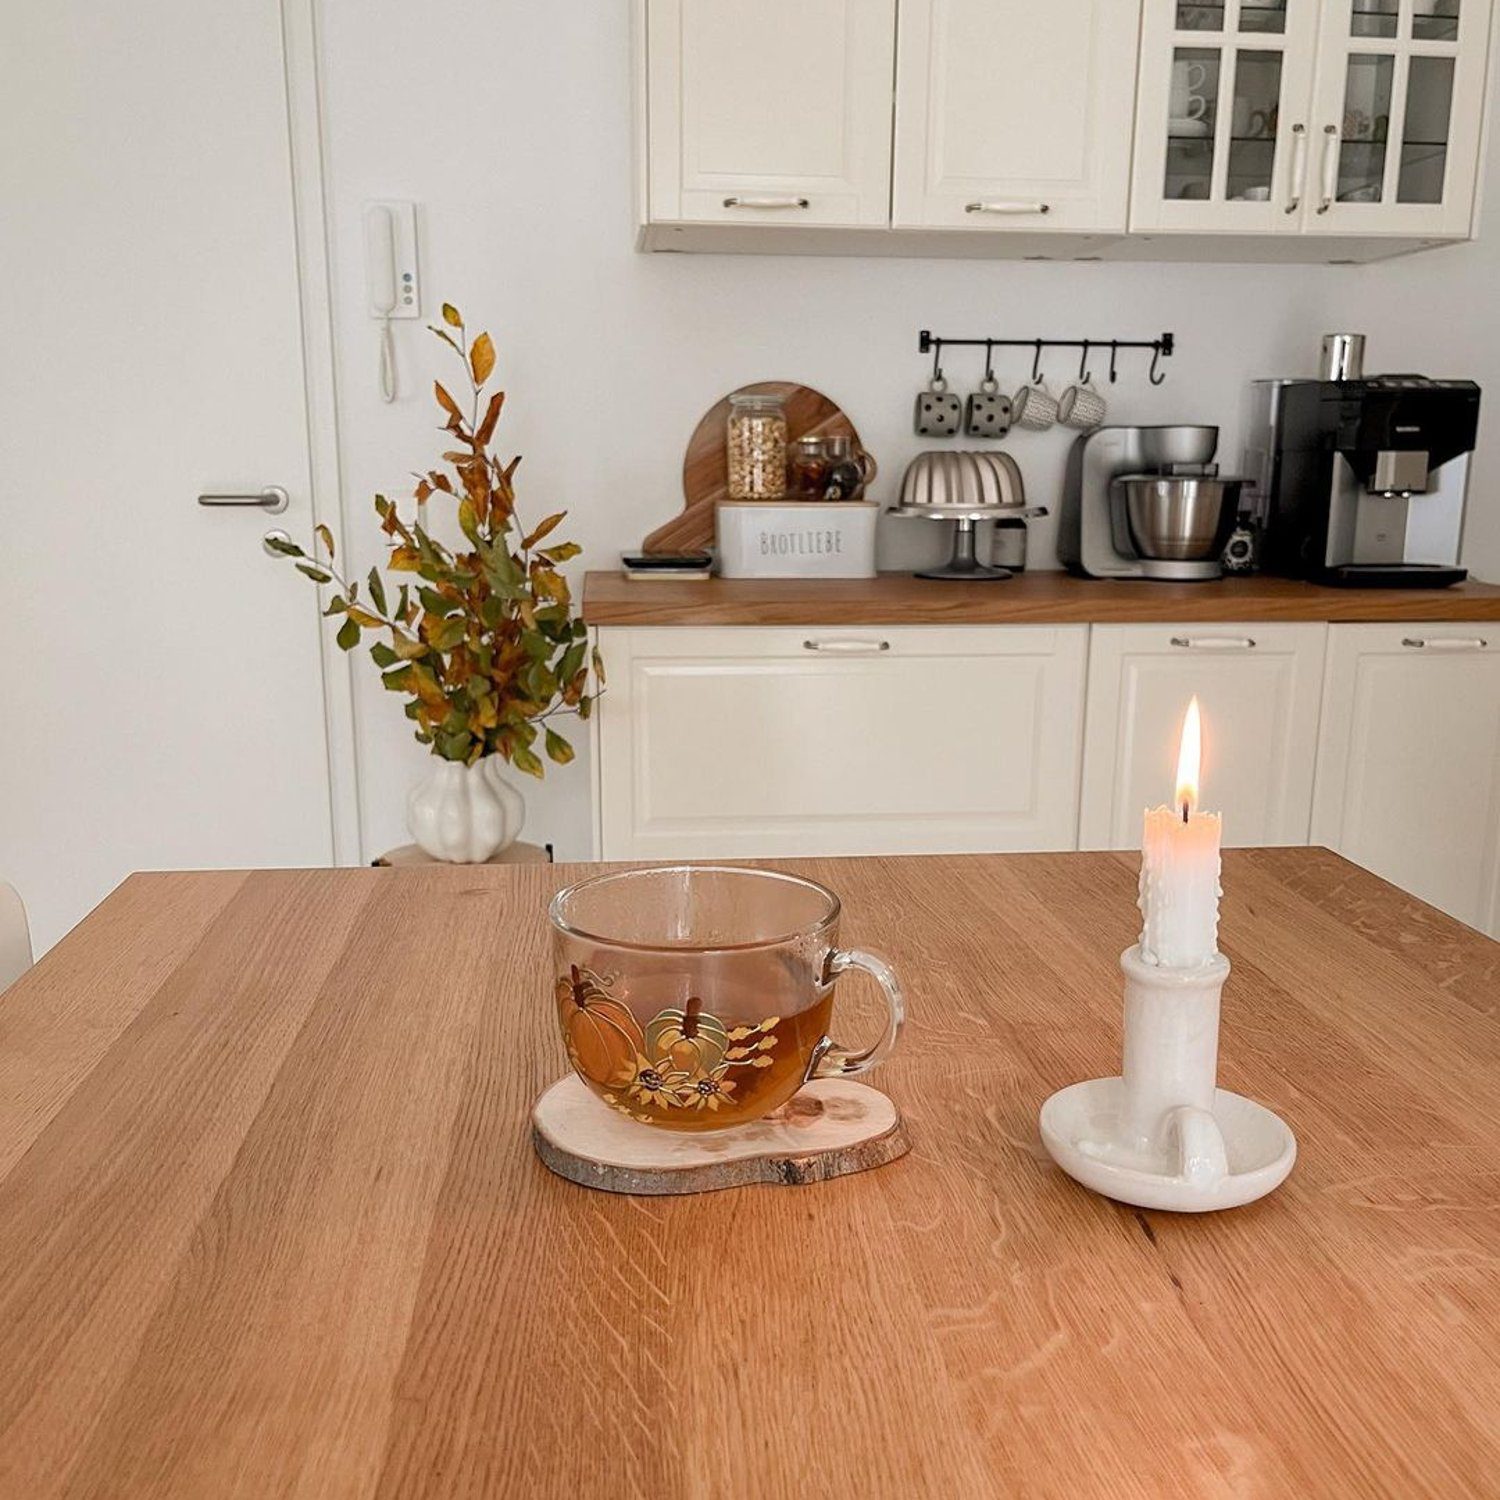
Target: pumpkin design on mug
684 1059
602 1034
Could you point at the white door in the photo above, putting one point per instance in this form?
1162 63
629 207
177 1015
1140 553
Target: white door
1409 761
745 742
1259 686
1398 115
1015 115
163 704
1222 123
776 111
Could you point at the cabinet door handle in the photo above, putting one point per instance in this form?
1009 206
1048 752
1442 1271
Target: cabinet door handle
1299 166
766 202
848 648
1007 206
1214 642
1446 643
1330 167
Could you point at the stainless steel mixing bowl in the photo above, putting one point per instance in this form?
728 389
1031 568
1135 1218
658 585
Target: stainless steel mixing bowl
1180 518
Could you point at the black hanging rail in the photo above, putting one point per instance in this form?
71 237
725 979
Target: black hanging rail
1162 348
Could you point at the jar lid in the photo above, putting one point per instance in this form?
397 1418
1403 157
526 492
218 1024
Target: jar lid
752 399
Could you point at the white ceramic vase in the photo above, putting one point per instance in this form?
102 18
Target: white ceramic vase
465 814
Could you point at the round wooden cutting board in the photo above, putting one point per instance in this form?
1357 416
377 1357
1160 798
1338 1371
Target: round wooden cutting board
705 469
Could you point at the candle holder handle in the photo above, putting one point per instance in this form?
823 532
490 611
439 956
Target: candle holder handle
1202 1160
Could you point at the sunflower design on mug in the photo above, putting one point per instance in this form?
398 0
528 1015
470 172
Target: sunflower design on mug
683 1059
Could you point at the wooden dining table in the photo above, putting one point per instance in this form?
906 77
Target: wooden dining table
271 1223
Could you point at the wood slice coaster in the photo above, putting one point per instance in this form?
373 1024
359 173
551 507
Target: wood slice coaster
705 467
832 1127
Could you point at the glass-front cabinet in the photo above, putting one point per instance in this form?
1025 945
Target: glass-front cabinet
1397 115
1309 116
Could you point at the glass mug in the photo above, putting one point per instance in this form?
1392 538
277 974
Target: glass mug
696 997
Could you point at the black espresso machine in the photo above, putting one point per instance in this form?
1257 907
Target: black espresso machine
1363 482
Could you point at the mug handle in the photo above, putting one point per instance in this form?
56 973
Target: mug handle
829 1060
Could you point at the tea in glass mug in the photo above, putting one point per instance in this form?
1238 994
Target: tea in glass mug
697 997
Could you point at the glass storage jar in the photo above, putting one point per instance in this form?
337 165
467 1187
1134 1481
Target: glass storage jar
756 447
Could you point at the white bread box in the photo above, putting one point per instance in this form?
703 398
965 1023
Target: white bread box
796 538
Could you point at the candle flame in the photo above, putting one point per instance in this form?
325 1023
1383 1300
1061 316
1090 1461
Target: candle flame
1189 760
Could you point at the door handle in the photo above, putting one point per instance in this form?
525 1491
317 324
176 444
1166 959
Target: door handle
273 500
1214 642
1299 166
1330 167
1007 206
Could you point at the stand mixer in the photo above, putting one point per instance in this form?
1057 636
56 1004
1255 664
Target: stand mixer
1146 502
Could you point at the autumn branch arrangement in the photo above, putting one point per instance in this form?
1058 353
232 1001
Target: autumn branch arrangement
484 643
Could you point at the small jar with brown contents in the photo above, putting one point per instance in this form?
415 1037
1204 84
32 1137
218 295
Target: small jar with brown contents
756 444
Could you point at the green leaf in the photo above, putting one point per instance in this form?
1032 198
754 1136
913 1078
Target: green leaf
437 604
448 634
316 574
284 545
348 636
585 707
326 537
468 521
561 553
558 749
572 659
598 663
527 761
382 655
336 606
398 681
377 589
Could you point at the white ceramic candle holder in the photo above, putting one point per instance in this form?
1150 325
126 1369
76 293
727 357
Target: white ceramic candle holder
1163 1135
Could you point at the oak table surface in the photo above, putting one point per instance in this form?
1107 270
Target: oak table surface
270 1223
1037 598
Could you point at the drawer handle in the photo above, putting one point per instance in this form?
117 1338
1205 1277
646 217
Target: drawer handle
1214 642
1446 643
1007 206
763 202
848 648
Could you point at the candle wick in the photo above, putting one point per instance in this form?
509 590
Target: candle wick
1185 805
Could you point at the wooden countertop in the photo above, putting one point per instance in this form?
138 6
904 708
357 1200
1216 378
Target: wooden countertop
1028 599
270 1222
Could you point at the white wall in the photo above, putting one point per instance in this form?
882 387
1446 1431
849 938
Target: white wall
509 123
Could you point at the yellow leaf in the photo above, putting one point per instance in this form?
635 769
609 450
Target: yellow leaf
404 560
451 316
543 527
326 537
364 617
444 400
482 358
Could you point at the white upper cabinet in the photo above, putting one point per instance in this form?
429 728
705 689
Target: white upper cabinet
1012 114
1222 118
1397 116
776 111
1260 686
1409 761
1344 130
1356 118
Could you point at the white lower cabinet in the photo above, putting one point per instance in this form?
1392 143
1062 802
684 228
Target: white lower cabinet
1259 686
1408 780
764 741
